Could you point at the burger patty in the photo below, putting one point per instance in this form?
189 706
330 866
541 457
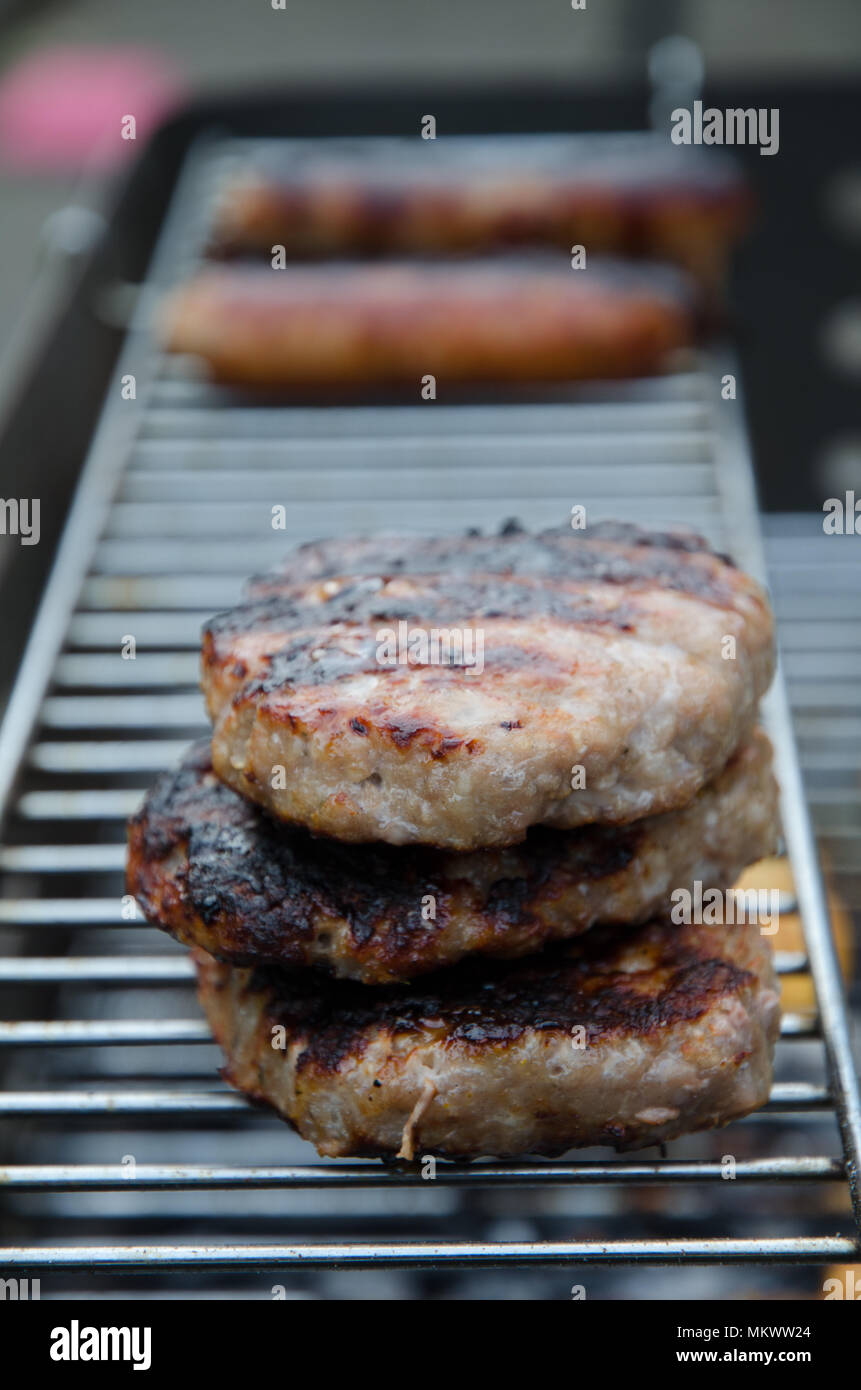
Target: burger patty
217 872
395 325
623 1037
610 196
611 685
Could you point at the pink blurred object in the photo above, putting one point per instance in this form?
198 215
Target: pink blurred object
65 108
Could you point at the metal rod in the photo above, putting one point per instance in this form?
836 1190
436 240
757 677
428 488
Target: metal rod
182 1177
737 477
86 520
116 969
432 1255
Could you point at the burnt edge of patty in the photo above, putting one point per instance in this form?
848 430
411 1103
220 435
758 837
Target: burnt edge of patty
480 1004
264 885
607 552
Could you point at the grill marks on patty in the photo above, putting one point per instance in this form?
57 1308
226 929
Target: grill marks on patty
623 673
322 658
608 553
431 599
588 984
318 620
217 871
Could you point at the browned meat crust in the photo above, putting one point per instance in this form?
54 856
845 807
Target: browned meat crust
668 204
608 552
217 872
393 325
607 654
623 1037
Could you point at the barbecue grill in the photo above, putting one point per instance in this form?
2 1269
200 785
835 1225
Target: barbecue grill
115 1133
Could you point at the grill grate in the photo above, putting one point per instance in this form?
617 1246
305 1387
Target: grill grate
172 512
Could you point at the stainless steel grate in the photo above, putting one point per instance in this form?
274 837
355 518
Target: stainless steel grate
172 512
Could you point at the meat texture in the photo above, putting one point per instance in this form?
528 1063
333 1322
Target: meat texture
218 872
395 325
627 1038
608 194
585 678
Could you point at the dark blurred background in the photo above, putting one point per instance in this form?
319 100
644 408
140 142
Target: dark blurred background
68 69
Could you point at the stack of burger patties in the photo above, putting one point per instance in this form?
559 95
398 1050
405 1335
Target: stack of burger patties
430 860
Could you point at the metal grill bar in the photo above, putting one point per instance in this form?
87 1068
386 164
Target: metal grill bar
63 859
429 1255
170 477
154 755
78 805
89 969
134 712
181 1177
105 1032
97 671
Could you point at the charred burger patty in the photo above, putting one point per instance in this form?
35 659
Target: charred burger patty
218 872
623 1037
